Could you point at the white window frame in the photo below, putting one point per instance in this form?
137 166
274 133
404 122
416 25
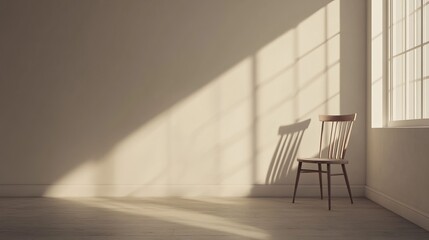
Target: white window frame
421 122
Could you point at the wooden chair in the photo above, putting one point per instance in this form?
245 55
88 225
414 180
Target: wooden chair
335 133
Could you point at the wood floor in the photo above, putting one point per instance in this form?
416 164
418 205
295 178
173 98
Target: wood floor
200 218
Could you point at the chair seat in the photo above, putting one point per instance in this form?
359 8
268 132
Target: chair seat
322 160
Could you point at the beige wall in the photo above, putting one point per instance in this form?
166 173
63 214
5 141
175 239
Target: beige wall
155 98
398 165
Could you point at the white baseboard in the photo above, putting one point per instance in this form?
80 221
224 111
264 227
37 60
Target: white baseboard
259 190
305 191
414 215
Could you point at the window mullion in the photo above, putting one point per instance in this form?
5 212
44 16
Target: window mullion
405 91
391 63
421 61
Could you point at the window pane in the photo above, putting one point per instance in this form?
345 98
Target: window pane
413 81
398 27
426 81
413 23
398 88
425 20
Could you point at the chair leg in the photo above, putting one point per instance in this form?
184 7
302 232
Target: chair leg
347 182
297 180
329 184
320 180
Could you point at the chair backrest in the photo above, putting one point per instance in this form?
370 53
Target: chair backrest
335 133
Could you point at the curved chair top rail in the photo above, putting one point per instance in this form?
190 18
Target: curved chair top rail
338 118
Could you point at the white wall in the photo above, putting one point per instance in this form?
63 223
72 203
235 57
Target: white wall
163 98
397 158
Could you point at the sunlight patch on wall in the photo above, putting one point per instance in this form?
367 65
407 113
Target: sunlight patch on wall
204 139
298 78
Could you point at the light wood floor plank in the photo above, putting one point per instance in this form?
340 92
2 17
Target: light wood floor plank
200 218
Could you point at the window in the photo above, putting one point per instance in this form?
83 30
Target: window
408 62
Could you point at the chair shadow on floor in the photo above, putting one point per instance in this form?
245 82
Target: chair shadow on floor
285 151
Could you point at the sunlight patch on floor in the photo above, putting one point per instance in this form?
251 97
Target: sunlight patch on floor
180 216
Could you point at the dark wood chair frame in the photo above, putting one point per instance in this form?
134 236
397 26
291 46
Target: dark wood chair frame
338 130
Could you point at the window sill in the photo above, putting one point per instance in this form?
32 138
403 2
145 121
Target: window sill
415 123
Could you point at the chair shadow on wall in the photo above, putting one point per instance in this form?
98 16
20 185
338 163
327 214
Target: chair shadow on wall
285 151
